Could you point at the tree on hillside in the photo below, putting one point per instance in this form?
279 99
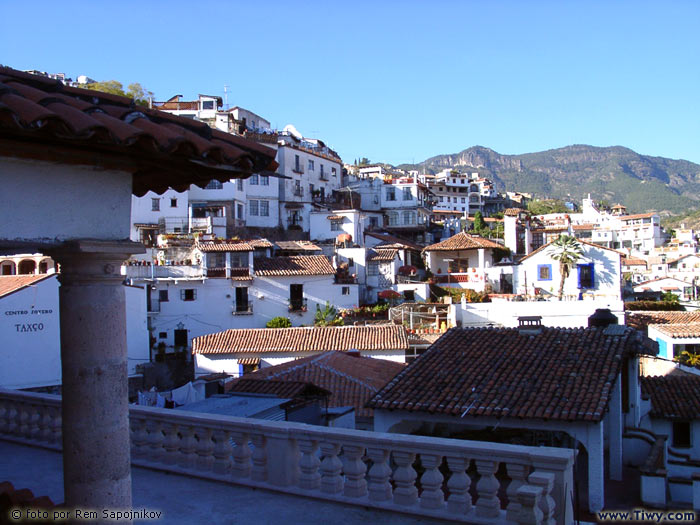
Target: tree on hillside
567 250
134 90
543 207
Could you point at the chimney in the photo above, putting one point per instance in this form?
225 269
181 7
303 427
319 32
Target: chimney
601 318
530 324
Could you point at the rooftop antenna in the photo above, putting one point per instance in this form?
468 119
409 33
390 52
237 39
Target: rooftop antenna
226 97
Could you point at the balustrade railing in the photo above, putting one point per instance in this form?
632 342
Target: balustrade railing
435 477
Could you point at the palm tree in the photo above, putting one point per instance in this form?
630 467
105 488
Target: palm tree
567 250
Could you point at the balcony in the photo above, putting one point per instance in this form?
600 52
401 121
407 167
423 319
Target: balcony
458 479
298 192
243 309
164 272
298 169
216 273
298 305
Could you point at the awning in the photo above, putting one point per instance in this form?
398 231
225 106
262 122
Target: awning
293 205
248 360
145 225
335 217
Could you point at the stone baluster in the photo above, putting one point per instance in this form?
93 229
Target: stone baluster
222 452
205 449
11 418
518 476
355 470
309 476
241 454
459 501
4 416
259 472
487 504
331 480
188 448
33 423
171 444
529 499
545 481
432 496
56 435
139 440
22 420
405 492
45 424
155 440
379 474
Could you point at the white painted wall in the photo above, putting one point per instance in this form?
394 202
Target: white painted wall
209 363
33 203
565 314
137 337
214 306
142 209
30 333
606 267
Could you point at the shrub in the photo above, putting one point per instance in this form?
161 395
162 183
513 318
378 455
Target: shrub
279 322
654 306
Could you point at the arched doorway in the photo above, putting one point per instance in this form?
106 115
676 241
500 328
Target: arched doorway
8 268
27 266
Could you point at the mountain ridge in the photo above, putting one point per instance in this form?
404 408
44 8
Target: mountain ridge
614 173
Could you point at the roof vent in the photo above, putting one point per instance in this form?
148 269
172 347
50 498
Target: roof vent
601 318
530 324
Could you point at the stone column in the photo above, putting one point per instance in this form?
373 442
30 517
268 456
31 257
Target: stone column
96 447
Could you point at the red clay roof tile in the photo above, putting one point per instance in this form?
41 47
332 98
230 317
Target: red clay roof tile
36 112
302 339
563 374
293 265
673 397
351 380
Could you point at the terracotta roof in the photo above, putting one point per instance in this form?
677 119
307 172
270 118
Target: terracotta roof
583 243
381 254
393 239
40 118
302 339
259 243
632 261
283 389
561 374
462 241
637 216
14 283
673 397
583 226
293 265
298 246
351 380
225 246
240 274
679 331
513 212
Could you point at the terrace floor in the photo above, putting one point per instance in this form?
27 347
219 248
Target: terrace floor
187 500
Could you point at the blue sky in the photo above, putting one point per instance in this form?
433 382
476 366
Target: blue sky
397 81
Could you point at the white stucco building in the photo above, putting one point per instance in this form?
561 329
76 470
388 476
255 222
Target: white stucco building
597 274
239 351
29 324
